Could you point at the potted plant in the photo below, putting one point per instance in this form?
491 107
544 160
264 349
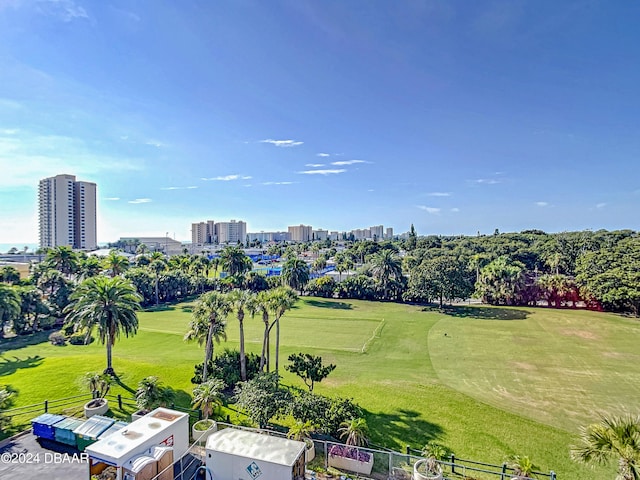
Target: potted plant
99 385
207 397
151 394
349 457
301 431
522 467
429 468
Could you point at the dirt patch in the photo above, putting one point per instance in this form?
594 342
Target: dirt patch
524 366
580 333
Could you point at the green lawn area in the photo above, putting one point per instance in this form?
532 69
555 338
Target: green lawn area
487 382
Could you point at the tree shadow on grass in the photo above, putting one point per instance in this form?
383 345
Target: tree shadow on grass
159 308
187 308
21 341
8 366
481 313
405 425
328 304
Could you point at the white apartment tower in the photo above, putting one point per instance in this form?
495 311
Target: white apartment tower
231 232
67 213
300 233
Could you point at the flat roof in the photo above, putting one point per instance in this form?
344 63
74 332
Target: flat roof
257 446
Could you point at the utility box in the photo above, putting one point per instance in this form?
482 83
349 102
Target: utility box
234 454
131 452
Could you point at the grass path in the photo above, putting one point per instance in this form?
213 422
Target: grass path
487 382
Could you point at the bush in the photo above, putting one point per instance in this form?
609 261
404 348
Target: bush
79 338
57 338
226 367
322 287
327 413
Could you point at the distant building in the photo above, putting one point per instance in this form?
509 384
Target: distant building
334 236
377 232
300 233
389 233
67 213
157 244
231 232
320 235
267 237
203 233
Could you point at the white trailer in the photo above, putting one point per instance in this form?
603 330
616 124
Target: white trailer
142 449
234 454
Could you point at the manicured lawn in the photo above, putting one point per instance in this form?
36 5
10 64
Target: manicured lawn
486 382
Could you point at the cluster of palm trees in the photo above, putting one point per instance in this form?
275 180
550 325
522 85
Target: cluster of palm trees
208 324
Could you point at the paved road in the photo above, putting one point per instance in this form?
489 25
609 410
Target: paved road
25 458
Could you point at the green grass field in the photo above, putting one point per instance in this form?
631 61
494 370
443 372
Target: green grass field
487 382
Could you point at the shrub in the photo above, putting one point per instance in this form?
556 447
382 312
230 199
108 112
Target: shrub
57 338
79 338
226 367
322 287
327 413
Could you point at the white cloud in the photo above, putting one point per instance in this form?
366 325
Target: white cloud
323 155
228 178
141 200
178 188
486 181
348 162
65 10
314 165
439 194
542 204
323 172
601 205
112 199
277 183
156 143
192 187
455 209
9 131
430 210
282 143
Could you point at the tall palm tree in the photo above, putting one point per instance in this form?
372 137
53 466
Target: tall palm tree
261 305
208 323
108 304
90 267
613 438
295 273
234 261
241 300
281 300
207 396
9 306
157 267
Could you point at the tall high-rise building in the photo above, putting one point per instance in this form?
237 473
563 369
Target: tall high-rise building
67 213
231 232
300 233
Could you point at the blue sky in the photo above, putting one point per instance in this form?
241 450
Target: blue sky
456 116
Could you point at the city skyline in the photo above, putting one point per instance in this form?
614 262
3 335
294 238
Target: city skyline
451 116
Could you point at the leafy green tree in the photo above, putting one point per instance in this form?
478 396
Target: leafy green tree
613 438
32 307
9 274
108 304
443 278
295 273
208 323
9 306
322 287
151 393
309 368
115 264
89 267
262 399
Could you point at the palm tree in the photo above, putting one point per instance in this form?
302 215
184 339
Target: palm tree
281 299
355 431
241 300
616 438
108 304
90 267
261 305
386 267
115 263
343 264
9 306
295 273
157 267
63 259
234 261
208 323
208 395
